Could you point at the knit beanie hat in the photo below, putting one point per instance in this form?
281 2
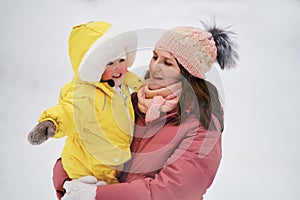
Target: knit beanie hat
197 50
93 45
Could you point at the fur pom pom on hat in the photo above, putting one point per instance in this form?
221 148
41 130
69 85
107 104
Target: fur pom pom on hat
94 44
197 50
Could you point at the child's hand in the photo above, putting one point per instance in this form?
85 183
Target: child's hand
41 132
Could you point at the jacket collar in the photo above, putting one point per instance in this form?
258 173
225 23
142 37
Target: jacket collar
131 81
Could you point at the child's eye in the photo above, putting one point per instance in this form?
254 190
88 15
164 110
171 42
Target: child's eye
110 63
122 60
154 57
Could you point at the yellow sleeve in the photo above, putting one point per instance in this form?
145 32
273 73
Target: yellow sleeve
62 114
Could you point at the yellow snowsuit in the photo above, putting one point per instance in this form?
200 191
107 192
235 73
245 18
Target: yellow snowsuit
97 118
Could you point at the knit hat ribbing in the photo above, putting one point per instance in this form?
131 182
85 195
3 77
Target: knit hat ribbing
194 49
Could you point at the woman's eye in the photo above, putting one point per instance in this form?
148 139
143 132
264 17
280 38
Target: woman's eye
167 63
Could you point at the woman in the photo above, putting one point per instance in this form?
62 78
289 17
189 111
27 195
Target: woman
176 150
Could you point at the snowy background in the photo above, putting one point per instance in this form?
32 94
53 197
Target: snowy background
261 139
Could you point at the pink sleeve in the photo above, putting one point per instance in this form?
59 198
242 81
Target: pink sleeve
59 178
186 177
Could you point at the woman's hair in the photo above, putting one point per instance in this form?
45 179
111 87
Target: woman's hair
201 98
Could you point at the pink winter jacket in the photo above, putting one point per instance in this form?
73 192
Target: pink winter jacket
168 161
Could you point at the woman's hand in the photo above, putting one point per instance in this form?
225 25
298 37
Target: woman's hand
83 188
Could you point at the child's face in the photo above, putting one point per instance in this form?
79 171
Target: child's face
115 70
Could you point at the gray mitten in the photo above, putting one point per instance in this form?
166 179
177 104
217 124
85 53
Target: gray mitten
41 132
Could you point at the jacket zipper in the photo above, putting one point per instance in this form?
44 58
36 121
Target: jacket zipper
127 112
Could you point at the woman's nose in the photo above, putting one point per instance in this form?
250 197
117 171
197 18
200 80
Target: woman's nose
156 67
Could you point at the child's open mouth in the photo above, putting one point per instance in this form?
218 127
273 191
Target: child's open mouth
117 75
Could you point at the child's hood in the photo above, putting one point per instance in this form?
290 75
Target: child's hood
94 44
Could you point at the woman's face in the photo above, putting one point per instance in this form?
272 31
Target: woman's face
116 71
163 68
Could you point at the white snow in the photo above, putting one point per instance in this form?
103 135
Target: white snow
261 139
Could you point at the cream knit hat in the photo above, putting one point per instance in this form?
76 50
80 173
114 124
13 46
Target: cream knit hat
194 49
